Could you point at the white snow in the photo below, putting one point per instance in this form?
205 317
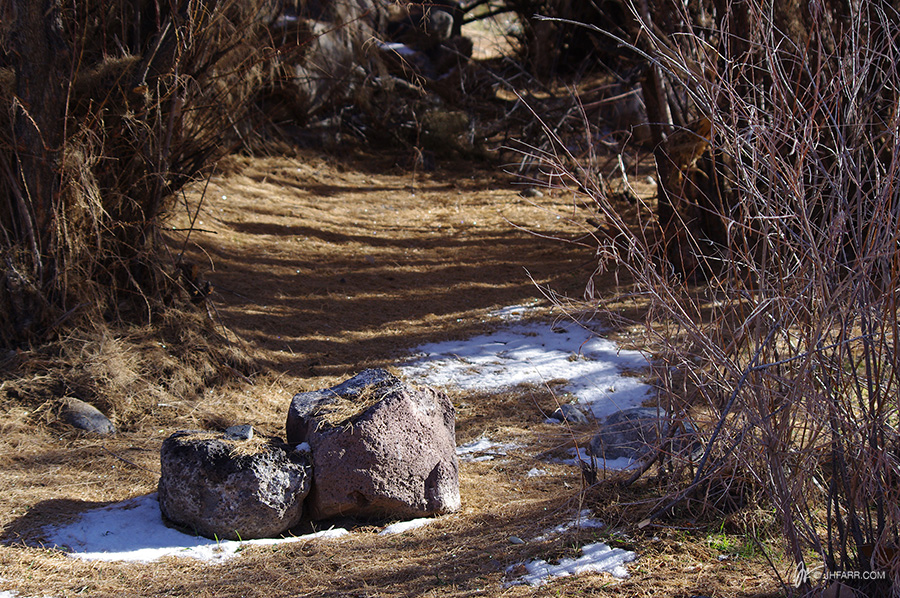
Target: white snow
133 530
512 312
535 353
534 472
582 521
404 526
401 49
582 455
483 450
595 558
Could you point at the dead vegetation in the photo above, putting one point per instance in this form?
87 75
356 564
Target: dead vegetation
783 351
439 243
167 303
341 411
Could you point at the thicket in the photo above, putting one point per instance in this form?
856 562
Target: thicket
773 264
110 108
560 46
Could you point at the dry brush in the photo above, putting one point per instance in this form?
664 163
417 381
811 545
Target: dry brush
110 109
785 207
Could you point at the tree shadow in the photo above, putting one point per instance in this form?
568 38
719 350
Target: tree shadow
330 294
31 528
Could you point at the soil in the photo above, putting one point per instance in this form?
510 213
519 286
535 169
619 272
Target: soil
322 265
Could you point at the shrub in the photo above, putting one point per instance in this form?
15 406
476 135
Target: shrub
111 108
789 208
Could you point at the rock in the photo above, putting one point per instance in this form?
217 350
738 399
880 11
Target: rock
444 131
380 448
571 414
231 489
629 433
244 432
85 417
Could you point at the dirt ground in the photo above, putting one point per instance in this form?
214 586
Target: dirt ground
322 266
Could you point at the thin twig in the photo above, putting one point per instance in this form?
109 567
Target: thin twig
132 463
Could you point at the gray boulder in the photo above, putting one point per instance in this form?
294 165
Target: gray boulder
380 448
630 433
224 488
85 417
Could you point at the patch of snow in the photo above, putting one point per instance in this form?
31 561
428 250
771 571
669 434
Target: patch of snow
535 353
483 450
401 49
581 456
583 521
405 526
595 558
133 530
534 472
14 594
511 312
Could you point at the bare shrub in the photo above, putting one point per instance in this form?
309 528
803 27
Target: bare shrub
786 358
112 109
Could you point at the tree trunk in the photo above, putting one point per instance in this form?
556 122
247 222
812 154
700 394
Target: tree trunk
40 57
30 272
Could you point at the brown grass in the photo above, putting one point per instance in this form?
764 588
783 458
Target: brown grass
341 411
252 446
324 266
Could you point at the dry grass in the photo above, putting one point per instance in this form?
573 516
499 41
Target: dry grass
236 447
341 411
323 267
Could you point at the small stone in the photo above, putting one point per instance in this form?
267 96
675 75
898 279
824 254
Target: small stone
85 417
516 540
529 192
244 432
571 414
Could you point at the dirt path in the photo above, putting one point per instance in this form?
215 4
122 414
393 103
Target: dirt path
327 267
324 266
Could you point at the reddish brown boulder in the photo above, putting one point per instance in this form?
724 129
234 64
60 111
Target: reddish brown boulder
380 448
